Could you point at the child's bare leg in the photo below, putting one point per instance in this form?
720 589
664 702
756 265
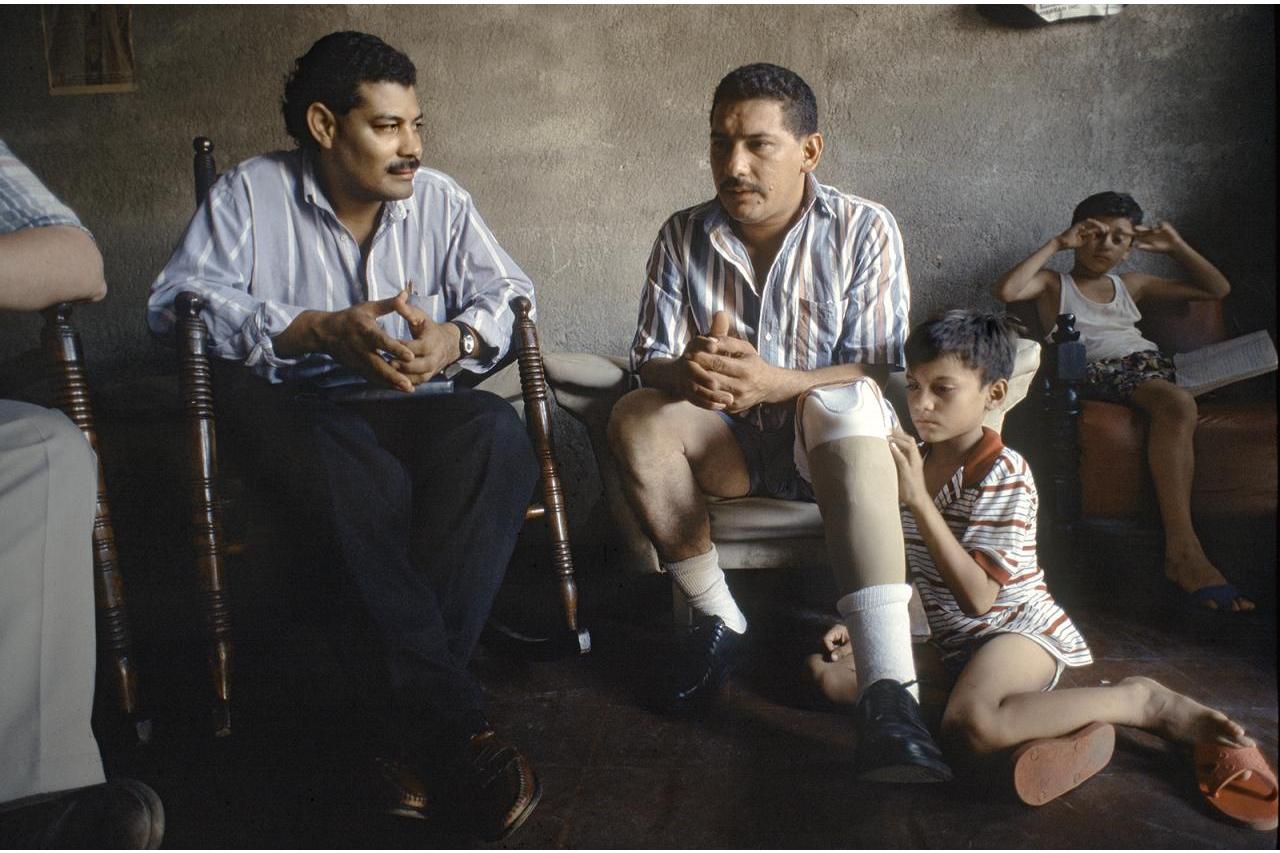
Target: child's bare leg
1171 458
999 702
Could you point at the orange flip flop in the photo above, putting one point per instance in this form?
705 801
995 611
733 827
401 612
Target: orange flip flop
1251 801
1047 768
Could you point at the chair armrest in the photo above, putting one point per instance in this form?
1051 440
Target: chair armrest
587 385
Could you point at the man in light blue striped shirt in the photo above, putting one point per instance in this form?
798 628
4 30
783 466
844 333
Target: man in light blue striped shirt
339 274
778 297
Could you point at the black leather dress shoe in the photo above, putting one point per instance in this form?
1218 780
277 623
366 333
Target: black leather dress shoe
491 787
705 659
893 743
397 789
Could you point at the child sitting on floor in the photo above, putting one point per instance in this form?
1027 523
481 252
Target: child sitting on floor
969 518
1125 367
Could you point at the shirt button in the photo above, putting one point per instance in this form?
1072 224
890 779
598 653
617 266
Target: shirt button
768 336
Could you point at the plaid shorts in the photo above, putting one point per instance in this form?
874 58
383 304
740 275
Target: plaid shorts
1113 380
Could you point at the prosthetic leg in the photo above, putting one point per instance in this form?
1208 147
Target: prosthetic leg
841 449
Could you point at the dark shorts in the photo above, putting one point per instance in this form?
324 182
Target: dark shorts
1114 380
770 460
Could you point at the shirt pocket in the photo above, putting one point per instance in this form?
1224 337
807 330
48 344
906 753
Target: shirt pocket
432 304
817 330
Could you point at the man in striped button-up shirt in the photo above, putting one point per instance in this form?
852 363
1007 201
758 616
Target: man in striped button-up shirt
342 274
752 301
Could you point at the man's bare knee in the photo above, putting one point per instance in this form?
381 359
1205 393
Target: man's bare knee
636 421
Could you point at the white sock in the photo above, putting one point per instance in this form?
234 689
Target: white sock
701 580
880 633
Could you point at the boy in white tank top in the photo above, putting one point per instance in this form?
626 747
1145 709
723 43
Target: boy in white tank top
1125 367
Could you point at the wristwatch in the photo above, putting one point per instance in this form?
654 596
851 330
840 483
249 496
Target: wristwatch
467 344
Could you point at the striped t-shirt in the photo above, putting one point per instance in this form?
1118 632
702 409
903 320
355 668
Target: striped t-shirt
990 506
837 292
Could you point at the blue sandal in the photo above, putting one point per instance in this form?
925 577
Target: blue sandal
1223 595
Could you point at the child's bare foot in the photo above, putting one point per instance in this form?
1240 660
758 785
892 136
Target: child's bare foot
1181 719
1190 569
835 680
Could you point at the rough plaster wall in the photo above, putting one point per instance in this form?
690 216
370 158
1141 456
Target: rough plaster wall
578 132
579 129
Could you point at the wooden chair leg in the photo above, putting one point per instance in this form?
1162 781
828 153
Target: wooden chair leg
533 386
61 344
196 380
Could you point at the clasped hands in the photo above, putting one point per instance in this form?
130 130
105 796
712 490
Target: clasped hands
723 373
354 338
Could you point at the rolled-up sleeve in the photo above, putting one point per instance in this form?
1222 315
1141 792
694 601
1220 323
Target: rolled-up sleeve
663 326
25 202
481 280
879 297
1001 532
215 260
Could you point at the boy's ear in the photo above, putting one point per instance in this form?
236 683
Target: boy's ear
996 393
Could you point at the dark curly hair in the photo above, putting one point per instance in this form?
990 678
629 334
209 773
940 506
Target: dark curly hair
762 80
1108 204
331 72
984 342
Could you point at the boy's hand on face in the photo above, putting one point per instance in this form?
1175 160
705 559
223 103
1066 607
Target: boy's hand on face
1080 233
1164 238
906 458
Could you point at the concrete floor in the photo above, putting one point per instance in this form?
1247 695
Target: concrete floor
764 770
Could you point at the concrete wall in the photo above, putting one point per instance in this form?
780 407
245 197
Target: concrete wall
578 130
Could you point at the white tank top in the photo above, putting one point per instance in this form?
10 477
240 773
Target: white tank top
1107 329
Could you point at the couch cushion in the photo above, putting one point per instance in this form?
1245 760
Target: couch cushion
752 519
1235 461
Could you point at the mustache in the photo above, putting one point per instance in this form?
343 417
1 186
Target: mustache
401 165
732 185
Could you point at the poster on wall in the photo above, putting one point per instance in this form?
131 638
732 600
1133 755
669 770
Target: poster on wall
88 49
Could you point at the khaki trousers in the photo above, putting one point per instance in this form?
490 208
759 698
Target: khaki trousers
48 485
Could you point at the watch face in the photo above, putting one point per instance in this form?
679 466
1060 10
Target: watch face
468 343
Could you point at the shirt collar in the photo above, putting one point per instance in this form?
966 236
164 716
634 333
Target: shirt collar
313 193
982 458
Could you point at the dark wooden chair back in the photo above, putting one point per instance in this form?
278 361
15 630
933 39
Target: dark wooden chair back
206 172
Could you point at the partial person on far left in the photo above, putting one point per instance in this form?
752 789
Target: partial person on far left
53 791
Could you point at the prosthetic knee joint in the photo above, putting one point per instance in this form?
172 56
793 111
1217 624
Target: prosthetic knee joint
829 413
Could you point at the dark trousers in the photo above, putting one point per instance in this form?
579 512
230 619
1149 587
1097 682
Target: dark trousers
420 500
